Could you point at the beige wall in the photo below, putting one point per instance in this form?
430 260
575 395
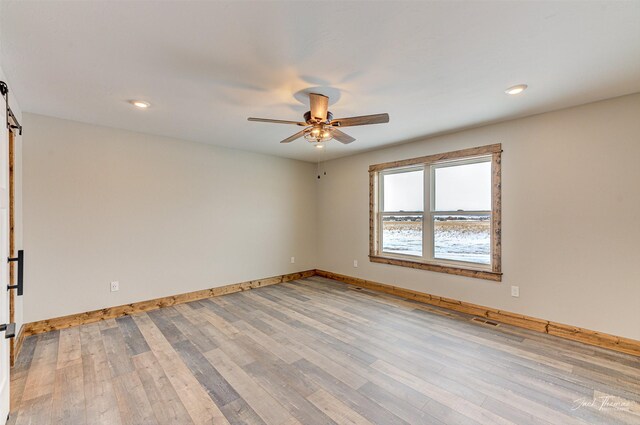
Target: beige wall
161 216
571 217
166 216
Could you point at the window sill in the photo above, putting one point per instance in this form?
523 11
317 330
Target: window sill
460 271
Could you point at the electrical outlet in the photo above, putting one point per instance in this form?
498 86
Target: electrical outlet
355 263
115 286
293 260
515 291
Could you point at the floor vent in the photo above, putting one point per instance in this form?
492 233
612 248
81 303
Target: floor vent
484 321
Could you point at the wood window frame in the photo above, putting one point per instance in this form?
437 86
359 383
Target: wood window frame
494 271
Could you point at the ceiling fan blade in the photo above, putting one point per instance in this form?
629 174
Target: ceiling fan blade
276 121
363 120
341 137
319 106
290 139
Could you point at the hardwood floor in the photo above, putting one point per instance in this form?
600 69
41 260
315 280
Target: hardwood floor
316 351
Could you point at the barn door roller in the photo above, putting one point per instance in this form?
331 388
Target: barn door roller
12 121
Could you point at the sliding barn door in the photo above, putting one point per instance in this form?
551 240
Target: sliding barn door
4 269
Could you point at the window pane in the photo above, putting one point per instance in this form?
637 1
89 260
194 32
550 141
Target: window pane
463 187
402 234
462 238
404 191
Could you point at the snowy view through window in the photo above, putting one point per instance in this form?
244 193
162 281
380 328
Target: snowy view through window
461 217
458 238
403 193
462 238
402 234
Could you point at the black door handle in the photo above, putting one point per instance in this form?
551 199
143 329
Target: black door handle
9 330
20 260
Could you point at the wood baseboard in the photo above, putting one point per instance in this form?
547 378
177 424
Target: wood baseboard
63 322
599 339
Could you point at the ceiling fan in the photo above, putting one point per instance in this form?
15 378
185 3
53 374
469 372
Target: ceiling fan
320 126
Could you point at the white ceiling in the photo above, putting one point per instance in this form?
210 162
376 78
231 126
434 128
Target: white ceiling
206 66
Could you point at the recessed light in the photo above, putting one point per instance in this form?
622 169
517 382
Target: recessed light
140 104
516 89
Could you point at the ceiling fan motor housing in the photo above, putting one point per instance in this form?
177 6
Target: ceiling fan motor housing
309 120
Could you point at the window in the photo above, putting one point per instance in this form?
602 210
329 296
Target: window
440 212
461 211
403 212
